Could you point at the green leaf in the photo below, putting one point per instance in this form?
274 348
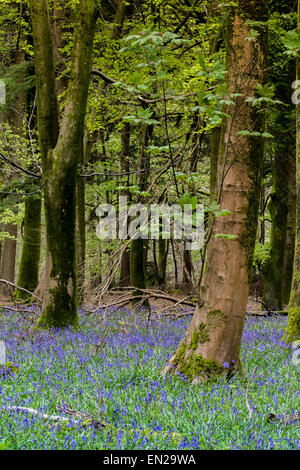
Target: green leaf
226 236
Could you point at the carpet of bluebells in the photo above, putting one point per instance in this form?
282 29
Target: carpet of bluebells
110 370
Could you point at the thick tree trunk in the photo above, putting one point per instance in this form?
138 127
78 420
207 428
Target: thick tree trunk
212 343
29 264
293 328
60 161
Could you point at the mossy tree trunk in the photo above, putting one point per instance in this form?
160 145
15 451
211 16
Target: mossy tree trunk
8 256
293 328
28 275
287 270
60 154
80 232
279 209
212 343
279 268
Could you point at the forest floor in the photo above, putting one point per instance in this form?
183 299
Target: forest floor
109 374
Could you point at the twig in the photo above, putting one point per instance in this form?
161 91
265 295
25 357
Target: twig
8 283
246 394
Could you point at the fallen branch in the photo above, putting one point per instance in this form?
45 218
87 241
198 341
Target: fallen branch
83 421
23 409
8 283
159 294
146 294
18 310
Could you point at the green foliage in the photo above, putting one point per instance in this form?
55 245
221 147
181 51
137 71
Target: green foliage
291 41
262 254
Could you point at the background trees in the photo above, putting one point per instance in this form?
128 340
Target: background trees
160 119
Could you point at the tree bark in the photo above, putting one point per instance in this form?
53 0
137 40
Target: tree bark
212 343
278 208
29 264
293 328
125 258
138 247
8 256
60 154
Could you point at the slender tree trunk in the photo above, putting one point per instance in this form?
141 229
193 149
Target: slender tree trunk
293 328
163 249
278 208
215 139
80 232
28 275
125 259
138 247
187 263
212 343
9 246
8 256
287 269
29 264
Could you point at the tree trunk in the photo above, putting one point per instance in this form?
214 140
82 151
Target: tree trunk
125 259
29 264
287 269
278 208
80 232
163 249
9 246
138 247
8 257
212 343
293 328
60 156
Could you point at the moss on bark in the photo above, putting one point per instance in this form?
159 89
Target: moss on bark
293 328
195 366
29 264
60 156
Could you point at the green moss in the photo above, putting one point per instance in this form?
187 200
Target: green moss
8 368
29 264
193 365
200 337
196 366
216 318
61 312
292 332
180 353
